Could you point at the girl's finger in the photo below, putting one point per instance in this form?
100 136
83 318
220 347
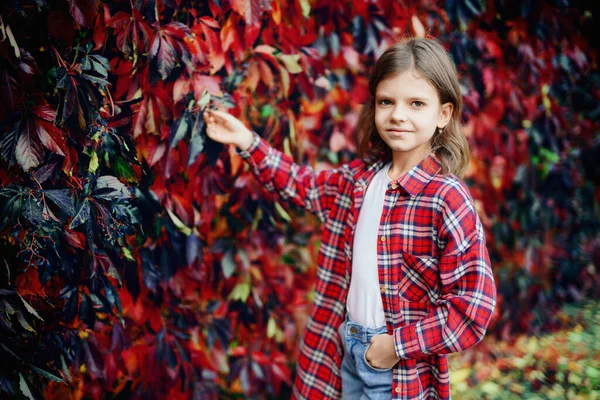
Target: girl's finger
219 115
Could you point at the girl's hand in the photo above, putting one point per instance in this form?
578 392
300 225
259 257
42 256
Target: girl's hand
382 352
224 128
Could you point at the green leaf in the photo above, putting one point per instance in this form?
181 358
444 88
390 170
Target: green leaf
179 224
109 187
305 5
228 264
490 388
266 111
24 322
198 138
113 273
271 328
281 211
241 291
291 62
47 374
93 167
24 388
30 309
124 170
204 100
592 372
9 309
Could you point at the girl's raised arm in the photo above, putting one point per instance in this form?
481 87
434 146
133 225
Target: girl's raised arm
314 191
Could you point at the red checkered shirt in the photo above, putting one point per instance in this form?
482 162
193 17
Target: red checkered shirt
437 286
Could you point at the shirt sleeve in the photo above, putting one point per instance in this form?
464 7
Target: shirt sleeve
460 317
298 184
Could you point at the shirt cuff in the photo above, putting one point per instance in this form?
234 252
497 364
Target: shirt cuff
253 146
406 341
256 154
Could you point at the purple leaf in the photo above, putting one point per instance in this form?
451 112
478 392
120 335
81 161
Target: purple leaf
179 129
8 87
165 55
8 143
32 210
45 172
62 199
82 215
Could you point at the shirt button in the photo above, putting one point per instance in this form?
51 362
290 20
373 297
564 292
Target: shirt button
383 289
394 186
383 238
353 330
398 390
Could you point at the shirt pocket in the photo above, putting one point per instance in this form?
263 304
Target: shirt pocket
417 279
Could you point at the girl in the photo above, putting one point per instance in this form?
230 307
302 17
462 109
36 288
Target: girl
404 276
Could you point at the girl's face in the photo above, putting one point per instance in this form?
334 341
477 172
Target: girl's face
407 114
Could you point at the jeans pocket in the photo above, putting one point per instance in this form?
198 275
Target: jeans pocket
369 366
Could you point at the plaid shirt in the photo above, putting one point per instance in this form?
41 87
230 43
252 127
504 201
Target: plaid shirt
437 286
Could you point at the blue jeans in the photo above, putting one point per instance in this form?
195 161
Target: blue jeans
361 381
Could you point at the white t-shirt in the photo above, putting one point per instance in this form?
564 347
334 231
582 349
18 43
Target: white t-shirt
364 303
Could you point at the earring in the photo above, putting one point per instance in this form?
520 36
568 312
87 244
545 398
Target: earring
440 130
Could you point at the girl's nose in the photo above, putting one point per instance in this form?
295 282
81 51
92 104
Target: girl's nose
399 115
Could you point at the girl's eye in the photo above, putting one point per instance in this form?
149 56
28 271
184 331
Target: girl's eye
384 102
418 103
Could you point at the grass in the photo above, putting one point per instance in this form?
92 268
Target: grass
560 365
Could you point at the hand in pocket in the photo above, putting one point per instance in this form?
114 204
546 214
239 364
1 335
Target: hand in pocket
381 353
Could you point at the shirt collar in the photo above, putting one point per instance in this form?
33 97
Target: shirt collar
412 182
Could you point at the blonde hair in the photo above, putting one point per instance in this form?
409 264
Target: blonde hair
429 58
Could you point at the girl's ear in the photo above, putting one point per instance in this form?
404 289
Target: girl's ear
445 114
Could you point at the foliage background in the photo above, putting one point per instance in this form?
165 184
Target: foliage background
142 260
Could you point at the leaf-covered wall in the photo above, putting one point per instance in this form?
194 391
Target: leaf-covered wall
141 259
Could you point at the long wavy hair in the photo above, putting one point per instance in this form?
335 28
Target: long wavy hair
429 58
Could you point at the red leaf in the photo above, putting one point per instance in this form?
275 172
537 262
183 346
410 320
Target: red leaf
211 22
100 25
261 358
489 80
239 351
492 113
75 239
133 33
266 52
176 42
45 112
61 27
228 34
28 151
211 41
181 88
51 137
251 32
493 49
165 54
83 11
154 112
70 161
266 75
251 10
252 76
210 83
